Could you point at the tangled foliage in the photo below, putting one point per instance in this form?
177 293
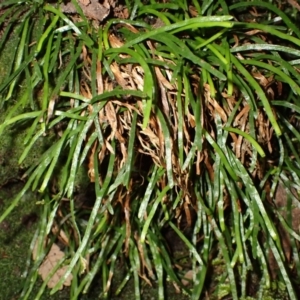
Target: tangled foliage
183 117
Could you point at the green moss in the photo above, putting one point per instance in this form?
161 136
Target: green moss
11 149
7 56
16 233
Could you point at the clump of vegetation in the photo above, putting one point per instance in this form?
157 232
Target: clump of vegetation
184 118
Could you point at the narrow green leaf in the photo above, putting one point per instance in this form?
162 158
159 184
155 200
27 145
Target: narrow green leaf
152 213
248 137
